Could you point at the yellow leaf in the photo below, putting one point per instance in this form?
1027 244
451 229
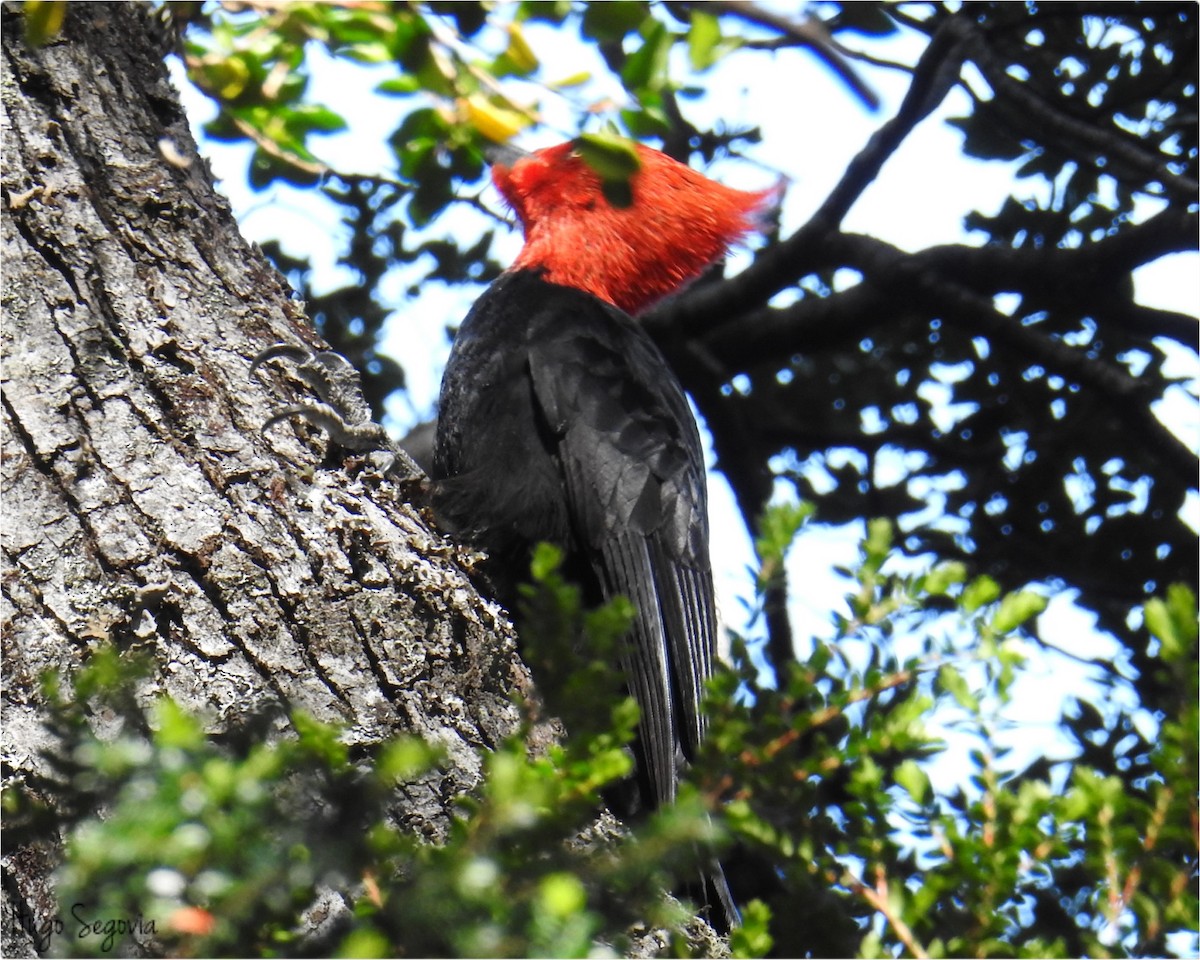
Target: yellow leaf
519 51
43 20
494 122
574 80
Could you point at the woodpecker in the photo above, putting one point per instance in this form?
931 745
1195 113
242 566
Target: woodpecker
559 420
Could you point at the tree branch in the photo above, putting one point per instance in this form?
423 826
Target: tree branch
811 323
1079 276
1079 269
703 308
900 275
1104 148
928 282
879 897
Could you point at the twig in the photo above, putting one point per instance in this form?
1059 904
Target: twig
267 145
783 43
864 57
935 75
806 33
822 717
1134 878
879 898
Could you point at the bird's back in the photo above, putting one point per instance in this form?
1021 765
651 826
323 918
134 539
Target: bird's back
497 481
560 421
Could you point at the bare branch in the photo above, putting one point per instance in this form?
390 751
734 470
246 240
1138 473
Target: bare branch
1080 272
1078 276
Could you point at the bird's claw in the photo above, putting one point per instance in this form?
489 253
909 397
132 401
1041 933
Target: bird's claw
330 374
342 411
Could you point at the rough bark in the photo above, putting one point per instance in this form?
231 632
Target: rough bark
143 505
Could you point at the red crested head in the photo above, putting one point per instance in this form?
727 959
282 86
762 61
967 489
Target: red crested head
678 224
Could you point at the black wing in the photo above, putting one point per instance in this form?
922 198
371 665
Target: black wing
635 489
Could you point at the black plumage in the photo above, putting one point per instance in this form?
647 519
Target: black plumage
560 421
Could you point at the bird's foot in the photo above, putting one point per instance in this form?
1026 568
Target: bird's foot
341 411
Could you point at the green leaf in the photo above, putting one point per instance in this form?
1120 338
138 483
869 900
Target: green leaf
611 21
704 35
321 740
1173 621
175 727
872 945
547 558
106 672
375 51
625 716
648 120
561 894
1160 624
913 779
468 17
1016 608
878 542
613 157
226 79
551 11
753 938
941 578
953 682
401 86
405 758
494 121
317 118
979 593
778 527
365 942
576 79
518 59
647 65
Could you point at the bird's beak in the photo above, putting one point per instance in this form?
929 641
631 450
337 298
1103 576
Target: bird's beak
504 154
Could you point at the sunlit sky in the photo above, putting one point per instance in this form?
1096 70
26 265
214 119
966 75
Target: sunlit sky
812 126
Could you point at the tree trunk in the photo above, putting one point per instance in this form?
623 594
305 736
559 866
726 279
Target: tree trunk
144 507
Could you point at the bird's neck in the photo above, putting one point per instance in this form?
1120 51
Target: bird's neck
603 262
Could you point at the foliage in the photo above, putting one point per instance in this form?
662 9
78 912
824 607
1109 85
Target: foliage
835 781
43 20
830 786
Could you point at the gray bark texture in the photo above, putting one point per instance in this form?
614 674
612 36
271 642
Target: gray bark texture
142 504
